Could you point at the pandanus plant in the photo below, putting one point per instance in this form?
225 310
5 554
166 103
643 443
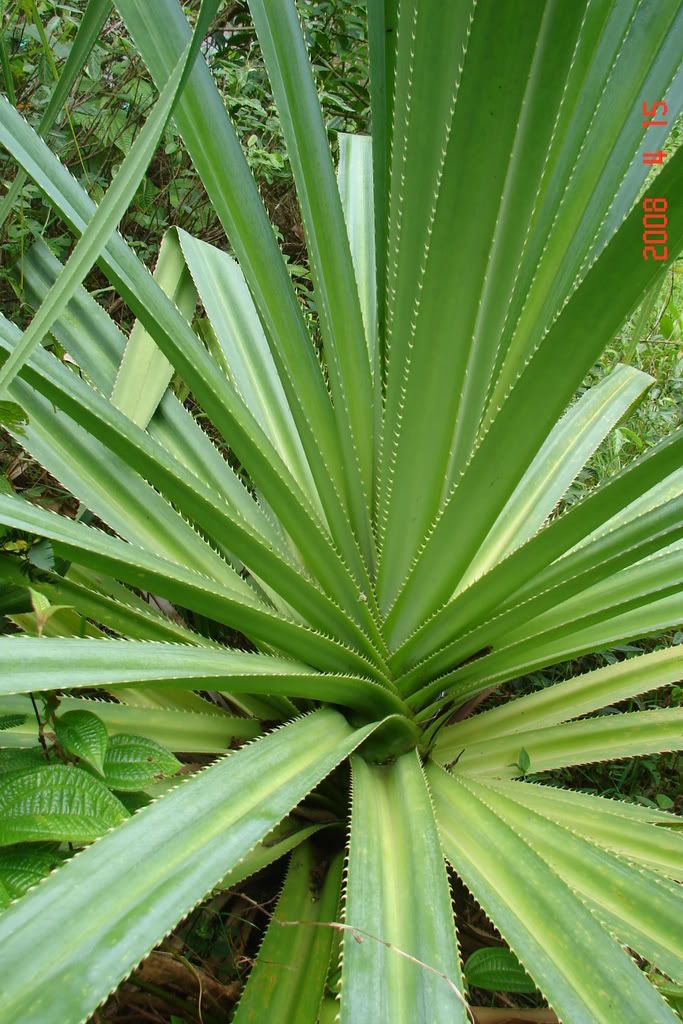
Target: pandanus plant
380 548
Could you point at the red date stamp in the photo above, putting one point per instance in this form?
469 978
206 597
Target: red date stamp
655 220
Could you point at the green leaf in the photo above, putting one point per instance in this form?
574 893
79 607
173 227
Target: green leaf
639 615
202 728
524 762
437 293
40 602
579 695
154 869
567 449
84 735
42 556
284 838
192 499
12 416
12 761
132 763
384 537
545 385
35 665
582 971
462 633
91 337
184 586
583 742
382 23
243 350
22 867
341 323
287 980
56 802
216 152
329 1011
93 473
355 182
6 68
497 970
637 833
395 956
145 372
122 611
642 909
11 721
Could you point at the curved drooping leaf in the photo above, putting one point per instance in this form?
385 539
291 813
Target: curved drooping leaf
531 571
56 802
84 735
175 581
651 615
42 664
642 835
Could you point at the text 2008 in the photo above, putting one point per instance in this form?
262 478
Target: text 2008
655 220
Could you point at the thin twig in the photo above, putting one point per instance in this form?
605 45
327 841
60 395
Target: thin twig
360 936
41 728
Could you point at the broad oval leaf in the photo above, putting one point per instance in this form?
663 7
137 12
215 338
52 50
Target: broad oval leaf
56 802
18 760
134 762
22 867
84 735
497 970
